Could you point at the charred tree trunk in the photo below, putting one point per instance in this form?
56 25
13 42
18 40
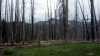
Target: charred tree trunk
17 21
55 26
87 31
76 20
0 22
96 23
23 23
92 20
11 20
65 17
32 16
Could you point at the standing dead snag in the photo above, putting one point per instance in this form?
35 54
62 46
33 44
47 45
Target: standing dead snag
11 20
65 17
32 19
23 22
0 21
92 20
84 22
17 16
97 28
76 21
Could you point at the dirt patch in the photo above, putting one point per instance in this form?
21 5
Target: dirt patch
90 53
67 50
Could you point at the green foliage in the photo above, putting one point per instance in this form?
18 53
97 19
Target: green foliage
61 50
8 51
39 44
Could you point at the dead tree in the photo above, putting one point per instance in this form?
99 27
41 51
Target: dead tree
23 22
87 31
16 35
32 19
84 29
55 26
0 21
76 20
99 21
65 17
4 25
44 29
49 29
50 22
92 20
11 20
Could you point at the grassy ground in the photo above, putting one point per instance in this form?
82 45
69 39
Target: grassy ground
61 50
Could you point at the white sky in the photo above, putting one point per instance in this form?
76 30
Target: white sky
41 6
86 8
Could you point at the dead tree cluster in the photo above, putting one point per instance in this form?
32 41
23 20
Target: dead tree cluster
14 29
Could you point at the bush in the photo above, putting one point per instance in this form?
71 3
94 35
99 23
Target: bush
39 44
8 51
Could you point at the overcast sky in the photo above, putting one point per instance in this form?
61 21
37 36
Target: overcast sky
86 8
41 6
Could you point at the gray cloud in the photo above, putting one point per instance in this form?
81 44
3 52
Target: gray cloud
41 7
86 8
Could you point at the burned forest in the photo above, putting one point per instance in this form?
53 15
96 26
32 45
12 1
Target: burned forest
61 22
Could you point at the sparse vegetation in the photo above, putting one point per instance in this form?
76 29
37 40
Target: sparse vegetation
39 44
62 24
8 51
61 50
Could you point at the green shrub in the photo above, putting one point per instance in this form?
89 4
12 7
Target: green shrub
8 51
39 44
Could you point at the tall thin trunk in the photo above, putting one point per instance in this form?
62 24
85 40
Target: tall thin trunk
55 26
0 21
64 19
76 20
44 29
83 23
99 22
87 31
97 29
92 20
11 20
49 30
32 16
67 19
51 19
23 23
17 21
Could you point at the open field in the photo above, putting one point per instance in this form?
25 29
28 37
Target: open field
61 50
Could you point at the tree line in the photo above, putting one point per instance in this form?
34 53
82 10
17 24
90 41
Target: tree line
14 29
